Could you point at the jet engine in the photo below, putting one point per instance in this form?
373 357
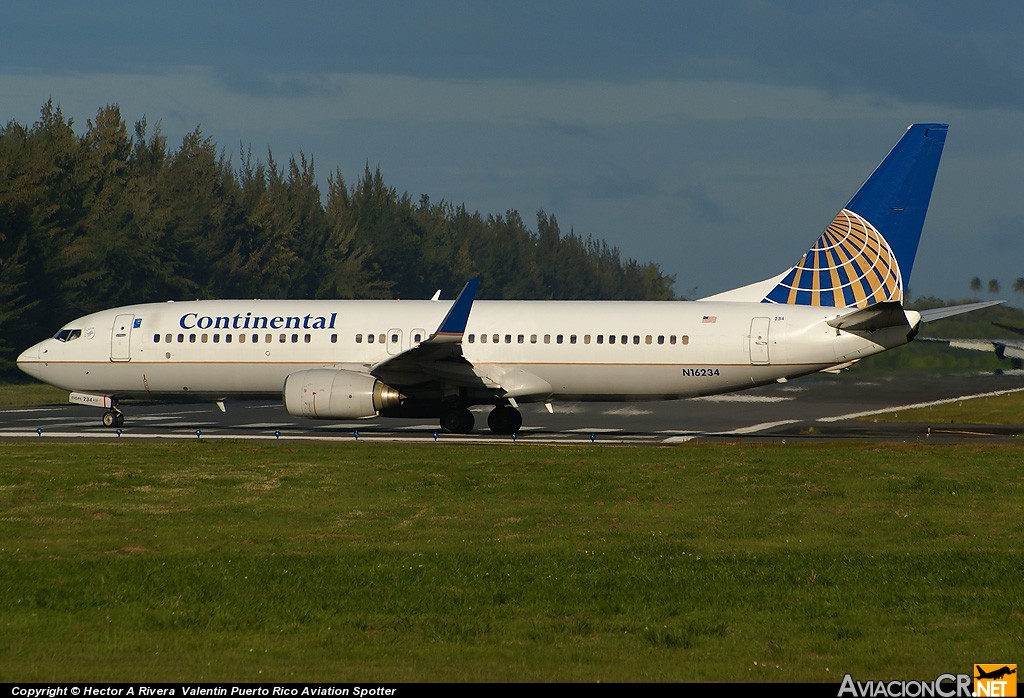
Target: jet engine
325 393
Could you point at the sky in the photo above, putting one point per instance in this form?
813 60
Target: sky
717 139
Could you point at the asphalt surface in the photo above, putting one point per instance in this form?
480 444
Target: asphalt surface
813 408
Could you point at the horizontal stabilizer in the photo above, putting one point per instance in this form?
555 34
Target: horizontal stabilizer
933 314
876 317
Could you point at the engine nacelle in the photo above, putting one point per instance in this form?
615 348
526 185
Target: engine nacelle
325 393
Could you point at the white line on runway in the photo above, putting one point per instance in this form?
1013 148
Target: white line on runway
32 409
741 398
855 415
754 428
183 436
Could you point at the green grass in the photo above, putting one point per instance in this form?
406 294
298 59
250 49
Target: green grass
31 394
998 409
279 562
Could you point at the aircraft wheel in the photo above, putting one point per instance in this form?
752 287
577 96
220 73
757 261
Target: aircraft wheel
505 420
112 418
457 421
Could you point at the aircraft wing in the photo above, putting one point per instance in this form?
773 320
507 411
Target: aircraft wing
439 358
1004 349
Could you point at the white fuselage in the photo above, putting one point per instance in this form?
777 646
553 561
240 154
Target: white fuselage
586 350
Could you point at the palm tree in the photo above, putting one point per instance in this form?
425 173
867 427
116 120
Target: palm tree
993 286
1018 285
976 284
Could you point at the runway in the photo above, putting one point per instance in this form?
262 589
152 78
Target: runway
814 408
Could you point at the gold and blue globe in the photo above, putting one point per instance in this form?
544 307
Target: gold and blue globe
850 265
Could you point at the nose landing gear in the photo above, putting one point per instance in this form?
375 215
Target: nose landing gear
113 418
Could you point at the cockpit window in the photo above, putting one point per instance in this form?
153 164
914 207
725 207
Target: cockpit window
67 335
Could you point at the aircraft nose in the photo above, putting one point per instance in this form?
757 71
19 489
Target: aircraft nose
30 354
28 361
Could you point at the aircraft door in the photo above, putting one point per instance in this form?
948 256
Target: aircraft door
120 338
759 340
394 341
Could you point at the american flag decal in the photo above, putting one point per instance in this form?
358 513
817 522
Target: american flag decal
709 318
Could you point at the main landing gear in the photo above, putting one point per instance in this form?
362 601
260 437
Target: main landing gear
503 419
113 418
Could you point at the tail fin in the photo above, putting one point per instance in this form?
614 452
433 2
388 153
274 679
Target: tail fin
866 255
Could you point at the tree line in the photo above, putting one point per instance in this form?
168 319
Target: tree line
107 217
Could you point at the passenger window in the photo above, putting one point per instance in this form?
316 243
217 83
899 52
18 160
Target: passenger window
191 339
496 338
625 339
547 339
611 339
508 339
483 339
369 339
685 339
636 339
521 339
168 338
672 339
227 338
216 339
648 339
295 339
558 339
533 339
334 339
394 339
586 339
600 339
181 339
572 339
382 338
661 339
359 339
268 338
471 339
156 339
241 339
306 339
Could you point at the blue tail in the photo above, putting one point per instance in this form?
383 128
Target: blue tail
866 255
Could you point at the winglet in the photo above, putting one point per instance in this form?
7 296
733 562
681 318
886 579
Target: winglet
454 324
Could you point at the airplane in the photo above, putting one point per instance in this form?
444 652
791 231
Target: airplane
996 673
347 359
1012 349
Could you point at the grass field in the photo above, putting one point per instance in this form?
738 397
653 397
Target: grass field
204 561
31 394
999 409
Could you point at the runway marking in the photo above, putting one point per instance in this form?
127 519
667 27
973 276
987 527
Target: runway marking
628 412
384 438
679 439
933 403
33 409
742 398
754 428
